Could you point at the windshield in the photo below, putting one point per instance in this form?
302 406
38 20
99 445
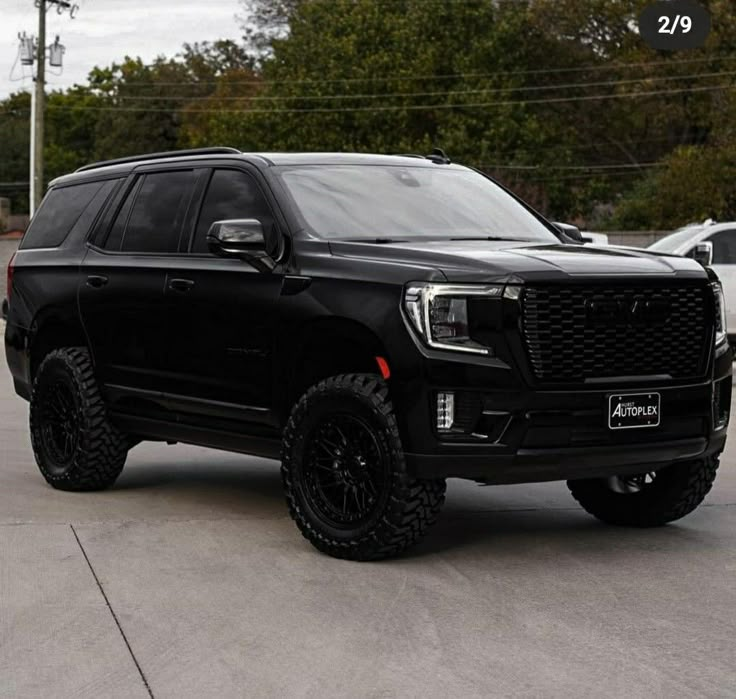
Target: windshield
675 240
387 202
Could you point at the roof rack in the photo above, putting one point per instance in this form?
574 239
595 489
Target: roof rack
220 150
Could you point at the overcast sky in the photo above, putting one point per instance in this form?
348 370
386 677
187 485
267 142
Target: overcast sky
106 30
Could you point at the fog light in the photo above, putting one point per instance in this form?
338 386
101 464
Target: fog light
445 411
721 403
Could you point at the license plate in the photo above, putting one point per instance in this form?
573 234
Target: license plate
630 410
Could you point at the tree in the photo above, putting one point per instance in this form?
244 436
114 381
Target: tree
264 21
155 107
14 162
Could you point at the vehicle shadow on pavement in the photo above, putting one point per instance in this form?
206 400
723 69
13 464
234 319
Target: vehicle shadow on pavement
549 532
228 483
484 522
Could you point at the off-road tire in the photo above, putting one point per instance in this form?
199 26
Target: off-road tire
675 492
411 505
100 449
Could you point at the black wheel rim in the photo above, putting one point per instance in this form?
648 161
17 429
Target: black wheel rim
347 473
59 423
628 485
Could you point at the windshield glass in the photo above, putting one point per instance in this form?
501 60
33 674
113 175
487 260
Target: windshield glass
674 240
394 202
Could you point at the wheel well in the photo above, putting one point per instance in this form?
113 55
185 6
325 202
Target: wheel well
329 349
54 334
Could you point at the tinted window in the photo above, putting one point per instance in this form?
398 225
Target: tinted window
89 215
724 247
57 214
408 202
115 237
230 194
157 213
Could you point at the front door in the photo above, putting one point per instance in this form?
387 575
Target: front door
221 322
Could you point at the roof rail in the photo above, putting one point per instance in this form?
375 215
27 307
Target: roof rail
220 150
437 156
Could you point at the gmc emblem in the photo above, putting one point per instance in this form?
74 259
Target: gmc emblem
627 310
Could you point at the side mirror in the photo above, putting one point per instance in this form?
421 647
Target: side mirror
570 231
703 253
242 238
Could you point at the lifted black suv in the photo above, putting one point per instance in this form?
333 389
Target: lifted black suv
378 323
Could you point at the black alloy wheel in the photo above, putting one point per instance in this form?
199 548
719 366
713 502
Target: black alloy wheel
345 476
59 419
348 474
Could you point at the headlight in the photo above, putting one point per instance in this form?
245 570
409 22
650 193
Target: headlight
439 314
721 329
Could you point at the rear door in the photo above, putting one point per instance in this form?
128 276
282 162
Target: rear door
221 322
121 292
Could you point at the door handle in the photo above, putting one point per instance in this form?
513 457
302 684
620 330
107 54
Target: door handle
182 285
96 281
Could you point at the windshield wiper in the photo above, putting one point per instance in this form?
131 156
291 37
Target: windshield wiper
376 241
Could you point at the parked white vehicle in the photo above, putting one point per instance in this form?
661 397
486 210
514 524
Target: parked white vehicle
714 244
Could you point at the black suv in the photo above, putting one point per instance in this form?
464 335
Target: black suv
379 323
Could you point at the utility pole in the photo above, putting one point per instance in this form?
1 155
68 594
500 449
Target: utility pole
38 110
38 98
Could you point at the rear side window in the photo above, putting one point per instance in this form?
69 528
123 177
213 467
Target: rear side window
115 236
60 210
157 213
231 194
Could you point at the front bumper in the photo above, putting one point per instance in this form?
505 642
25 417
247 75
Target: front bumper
536 465
542 435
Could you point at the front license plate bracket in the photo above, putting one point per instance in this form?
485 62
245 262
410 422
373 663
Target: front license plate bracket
628 411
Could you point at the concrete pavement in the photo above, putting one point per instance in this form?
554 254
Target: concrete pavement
188 579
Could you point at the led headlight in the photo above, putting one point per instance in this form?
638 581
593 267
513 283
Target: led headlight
439 314
721 329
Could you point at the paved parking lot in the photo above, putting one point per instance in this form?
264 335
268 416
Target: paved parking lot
189 580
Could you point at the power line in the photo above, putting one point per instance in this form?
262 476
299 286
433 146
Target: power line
451 76
561 178
408 107
609 166
452 93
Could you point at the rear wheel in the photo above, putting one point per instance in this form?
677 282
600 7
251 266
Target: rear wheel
648 499
75 445
344 472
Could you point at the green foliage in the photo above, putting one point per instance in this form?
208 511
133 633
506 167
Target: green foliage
144 105
694 183
14 155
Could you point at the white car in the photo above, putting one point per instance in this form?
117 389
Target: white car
714 244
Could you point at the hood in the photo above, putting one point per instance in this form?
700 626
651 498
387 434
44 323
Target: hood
505 261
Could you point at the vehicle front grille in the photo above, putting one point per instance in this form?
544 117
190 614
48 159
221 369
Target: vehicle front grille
576 333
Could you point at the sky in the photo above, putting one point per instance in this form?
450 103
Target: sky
105 31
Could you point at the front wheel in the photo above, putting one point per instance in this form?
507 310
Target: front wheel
344 473
648 499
